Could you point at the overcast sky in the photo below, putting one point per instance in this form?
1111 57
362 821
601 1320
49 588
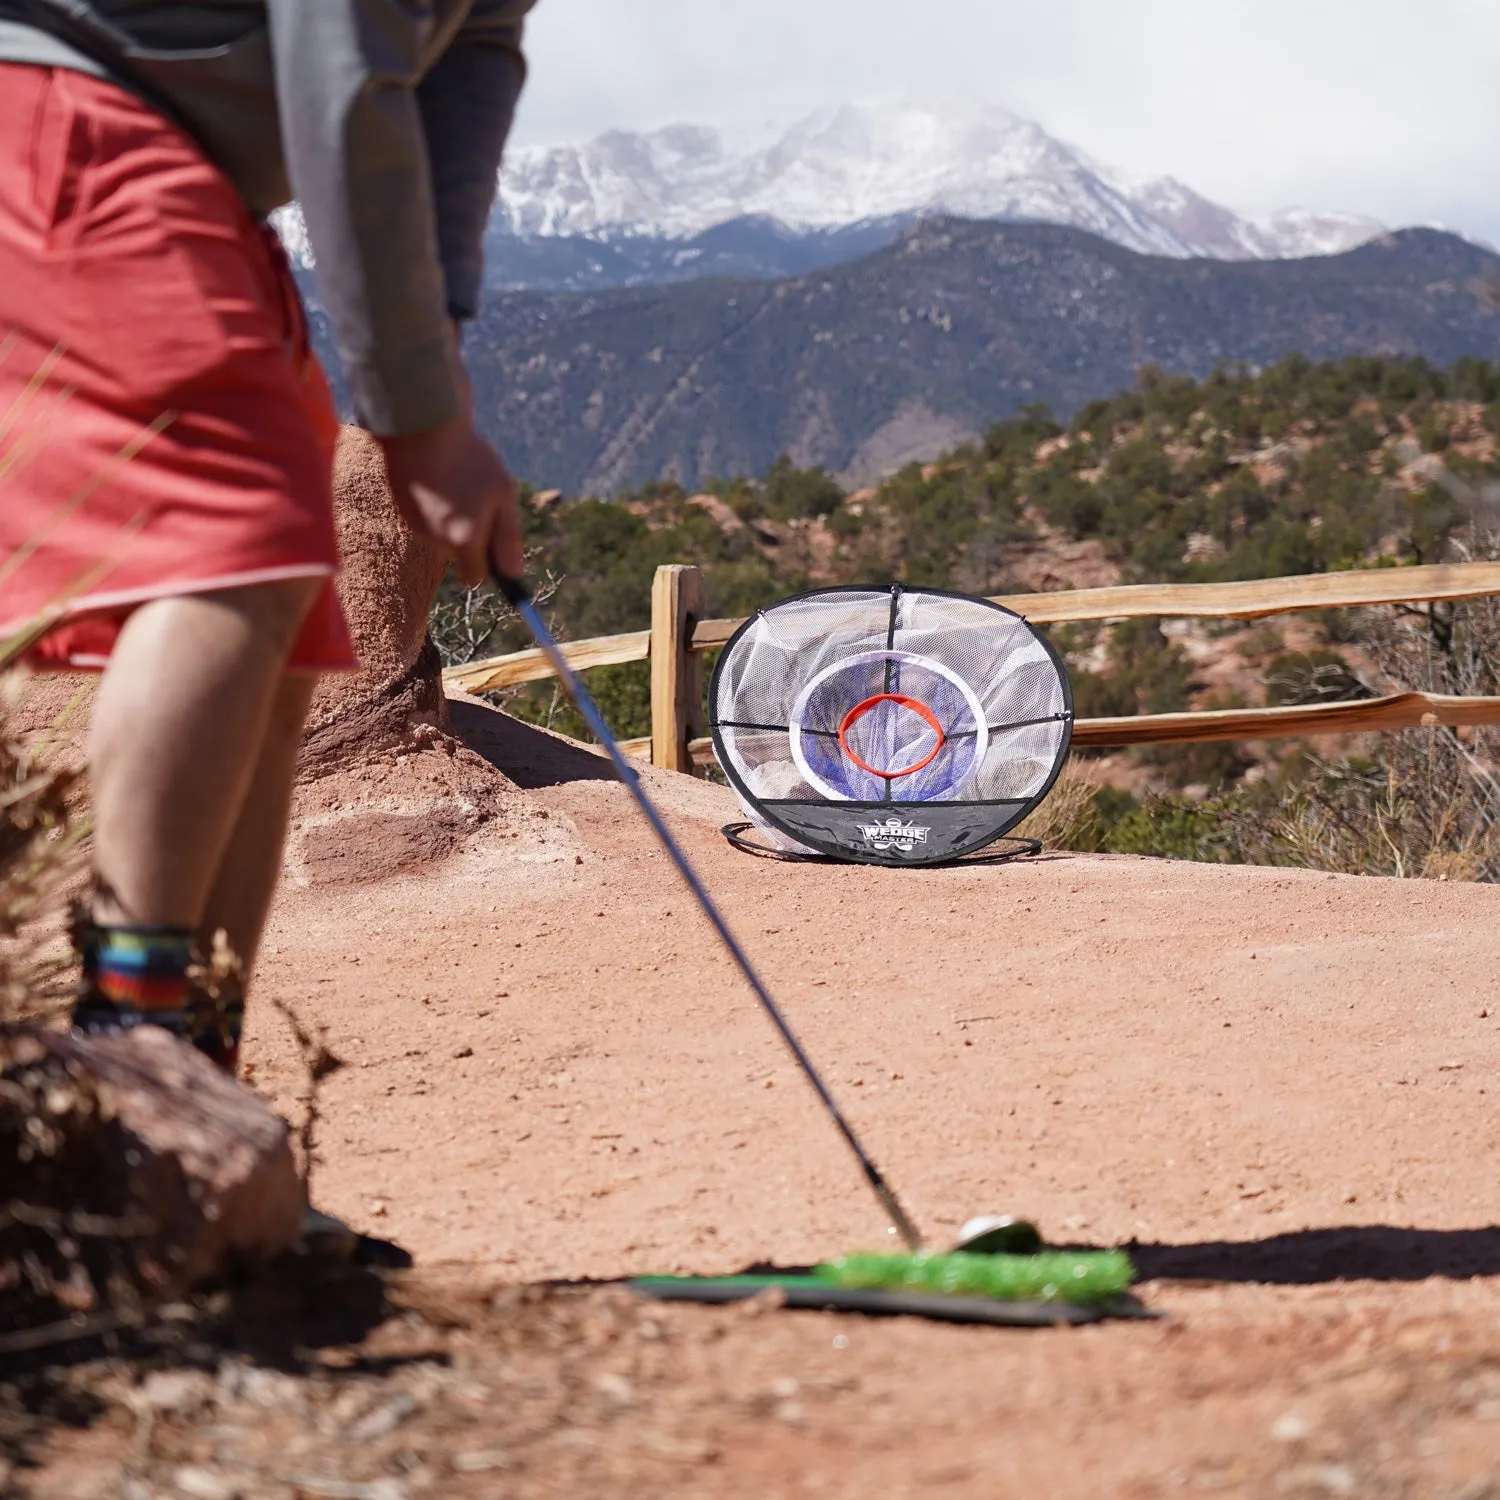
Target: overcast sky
1386 107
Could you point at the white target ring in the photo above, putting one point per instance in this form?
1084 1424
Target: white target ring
926 663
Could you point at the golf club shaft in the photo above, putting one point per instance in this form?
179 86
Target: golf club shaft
575 690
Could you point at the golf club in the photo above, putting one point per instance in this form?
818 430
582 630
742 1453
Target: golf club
518 596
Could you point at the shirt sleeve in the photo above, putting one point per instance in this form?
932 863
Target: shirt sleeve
355 118
468 102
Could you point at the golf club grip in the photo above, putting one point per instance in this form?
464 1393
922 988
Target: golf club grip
595 720
515 590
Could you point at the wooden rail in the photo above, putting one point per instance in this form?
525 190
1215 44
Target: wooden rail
531 666
1251 600
1398 711
676 640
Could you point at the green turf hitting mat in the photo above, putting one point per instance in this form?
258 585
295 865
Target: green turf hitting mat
1052 1287
1082 1277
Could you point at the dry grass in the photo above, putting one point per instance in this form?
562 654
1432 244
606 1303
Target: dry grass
1068 818
39 859
1419 809
39 842
1414 804
64 1264
1421 803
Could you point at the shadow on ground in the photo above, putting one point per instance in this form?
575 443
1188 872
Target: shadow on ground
529 756
1369 1252
275 1319
295 1317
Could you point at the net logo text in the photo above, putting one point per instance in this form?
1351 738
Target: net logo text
892 833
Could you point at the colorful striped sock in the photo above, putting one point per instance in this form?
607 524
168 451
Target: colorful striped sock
133 976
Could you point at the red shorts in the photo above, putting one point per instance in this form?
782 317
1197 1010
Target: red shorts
164 428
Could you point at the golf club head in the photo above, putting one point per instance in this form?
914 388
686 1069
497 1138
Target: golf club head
998 1234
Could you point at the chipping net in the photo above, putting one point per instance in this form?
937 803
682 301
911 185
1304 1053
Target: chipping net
890 726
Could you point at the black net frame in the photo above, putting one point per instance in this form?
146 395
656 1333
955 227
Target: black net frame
742 836
1023 667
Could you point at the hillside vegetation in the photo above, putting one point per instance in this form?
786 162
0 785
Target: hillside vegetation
1299 468
858 367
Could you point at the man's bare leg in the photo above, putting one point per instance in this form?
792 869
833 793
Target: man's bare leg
177 734
192 750
175 750
241 894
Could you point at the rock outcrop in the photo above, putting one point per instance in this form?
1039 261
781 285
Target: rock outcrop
384 788
132 1165
386 584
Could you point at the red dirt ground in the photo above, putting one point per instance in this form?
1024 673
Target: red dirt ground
1280 1086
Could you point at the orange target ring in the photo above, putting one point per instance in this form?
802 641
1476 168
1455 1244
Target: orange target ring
917 706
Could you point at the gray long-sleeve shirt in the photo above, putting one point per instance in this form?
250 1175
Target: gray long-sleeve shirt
384 118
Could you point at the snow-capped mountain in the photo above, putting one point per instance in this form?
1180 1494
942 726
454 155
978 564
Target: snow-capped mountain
851 163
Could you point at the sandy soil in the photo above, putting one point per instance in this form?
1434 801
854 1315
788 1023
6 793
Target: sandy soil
1280 1087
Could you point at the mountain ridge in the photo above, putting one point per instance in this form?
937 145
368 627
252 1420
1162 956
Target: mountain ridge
635 208
864 365
850 164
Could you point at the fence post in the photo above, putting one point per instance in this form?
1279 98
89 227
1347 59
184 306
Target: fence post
676 672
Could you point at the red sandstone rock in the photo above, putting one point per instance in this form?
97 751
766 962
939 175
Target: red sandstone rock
383 787
388 578
142 1129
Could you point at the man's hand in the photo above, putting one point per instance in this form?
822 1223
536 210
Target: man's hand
450 484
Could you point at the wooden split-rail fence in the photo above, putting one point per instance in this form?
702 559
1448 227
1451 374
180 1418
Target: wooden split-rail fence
679 636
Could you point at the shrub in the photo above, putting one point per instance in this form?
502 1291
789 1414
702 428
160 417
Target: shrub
791 494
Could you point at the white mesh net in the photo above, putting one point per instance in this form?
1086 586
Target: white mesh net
902 697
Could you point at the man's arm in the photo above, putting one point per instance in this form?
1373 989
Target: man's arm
348 81
347 74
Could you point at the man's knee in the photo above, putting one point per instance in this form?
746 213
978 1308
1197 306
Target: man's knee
275 611
290 705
